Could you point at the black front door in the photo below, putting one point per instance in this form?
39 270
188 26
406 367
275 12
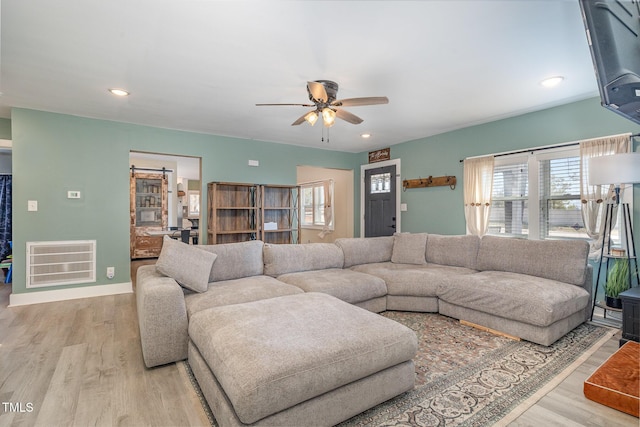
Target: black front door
380 201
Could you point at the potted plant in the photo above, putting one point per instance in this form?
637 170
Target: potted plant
618 280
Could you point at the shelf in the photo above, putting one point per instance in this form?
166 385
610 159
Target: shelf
606 307
280 230
618 256
236 231
279 208
236 207
149 224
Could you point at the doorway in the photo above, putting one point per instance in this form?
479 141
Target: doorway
181 175
6 248
380 198
342 222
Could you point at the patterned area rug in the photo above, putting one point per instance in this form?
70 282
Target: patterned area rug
468 377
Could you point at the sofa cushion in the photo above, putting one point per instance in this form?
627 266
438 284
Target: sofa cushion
270 355
412 280
365 250
289 258
561 260
347 285
525 298
236 260
457 251
186 264
238 291
409 248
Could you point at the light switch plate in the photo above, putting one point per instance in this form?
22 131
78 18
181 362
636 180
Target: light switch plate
32 205
73 194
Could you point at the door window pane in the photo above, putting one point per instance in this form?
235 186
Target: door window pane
381 183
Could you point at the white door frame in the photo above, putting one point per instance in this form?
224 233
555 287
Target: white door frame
363 168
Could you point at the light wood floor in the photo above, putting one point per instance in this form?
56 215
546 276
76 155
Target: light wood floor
79 363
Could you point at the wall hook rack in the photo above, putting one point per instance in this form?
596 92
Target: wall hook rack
437 181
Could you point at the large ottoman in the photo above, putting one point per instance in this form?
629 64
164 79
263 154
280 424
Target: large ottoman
305 359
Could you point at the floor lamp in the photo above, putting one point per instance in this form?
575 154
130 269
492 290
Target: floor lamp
616 169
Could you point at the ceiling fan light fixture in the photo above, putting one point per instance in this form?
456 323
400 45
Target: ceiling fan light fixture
328 116
311 117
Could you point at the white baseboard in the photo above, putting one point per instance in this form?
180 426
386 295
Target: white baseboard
69 294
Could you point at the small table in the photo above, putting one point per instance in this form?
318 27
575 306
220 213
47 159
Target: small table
630 315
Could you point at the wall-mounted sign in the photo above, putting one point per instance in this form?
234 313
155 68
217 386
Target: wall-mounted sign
380 155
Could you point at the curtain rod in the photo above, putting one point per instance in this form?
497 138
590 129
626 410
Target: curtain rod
549 147
320 181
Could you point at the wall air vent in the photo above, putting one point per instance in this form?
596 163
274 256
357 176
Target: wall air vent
60 263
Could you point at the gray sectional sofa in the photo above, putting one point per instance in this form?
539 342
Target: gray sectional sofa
535 290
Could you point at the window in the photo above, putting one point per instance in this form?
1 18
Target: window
194 203
509 206
381 183
537 195
317 209
560 206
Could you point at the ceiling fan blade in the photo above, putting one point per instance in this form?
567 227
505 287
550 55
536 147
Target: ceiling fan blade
355 102
317 91
300 120
347 116
299 105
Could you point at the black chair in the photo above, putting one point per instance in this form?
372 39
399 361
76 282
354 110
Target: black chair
185 235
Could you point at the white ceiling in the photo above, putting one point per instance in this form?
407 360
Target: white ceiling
203 65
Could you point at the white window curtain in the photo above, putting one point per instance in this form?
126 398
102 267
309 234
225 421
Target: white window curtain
595 197
478 185
328 227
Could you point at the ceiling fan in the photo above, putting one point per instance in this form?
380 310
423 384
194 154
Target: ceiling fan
323 95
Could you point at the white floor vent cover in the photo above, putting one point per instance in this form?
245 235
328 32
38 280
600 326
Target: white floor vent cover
60 263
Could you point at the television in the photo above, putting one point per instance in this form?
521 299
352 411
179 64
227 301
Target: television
613 34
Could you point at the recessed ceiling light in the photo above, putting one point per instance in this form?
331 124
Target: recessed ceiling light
365 135
552 81
119 92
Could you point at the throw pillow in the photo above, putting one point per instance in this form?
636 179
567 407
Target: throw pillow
409 248
186 264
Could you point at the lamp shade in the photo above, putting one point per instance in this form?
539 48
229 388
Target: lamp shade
615 169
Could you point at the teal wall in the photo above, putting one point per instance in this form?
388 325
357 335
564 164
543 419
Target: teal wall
54 153
5 129
440 210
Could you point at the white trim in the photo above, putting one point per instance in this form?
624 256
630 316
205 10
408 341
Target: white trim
363 168
69 294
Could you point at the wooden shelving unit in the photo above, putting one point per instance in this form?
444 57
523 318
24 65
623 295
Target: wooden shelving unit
233 212
149 212
280 207
237 212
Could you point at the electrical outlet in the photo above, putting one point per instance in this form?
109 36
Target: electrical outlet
111 272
